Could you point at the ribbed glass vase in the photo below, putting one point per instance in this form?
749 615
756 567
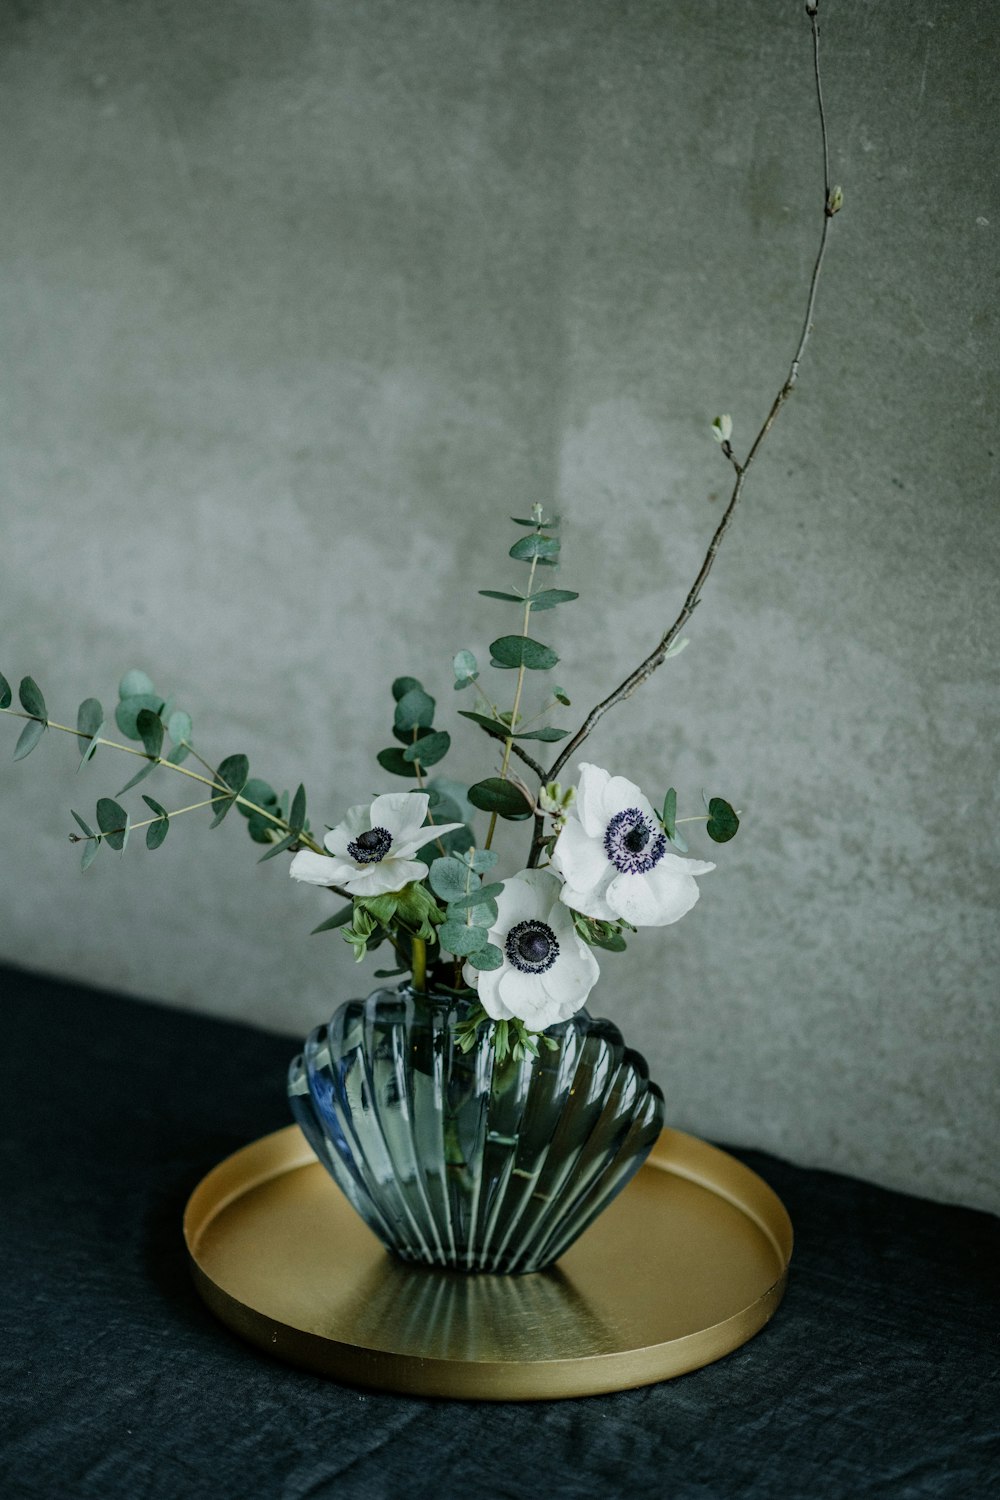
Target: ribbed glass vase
456 1160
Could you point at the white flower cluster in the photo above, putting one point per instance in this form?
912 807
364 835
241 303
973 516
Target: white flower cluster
610 863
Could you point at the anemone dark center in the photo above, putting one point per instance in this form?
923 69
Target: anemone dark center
532 947
368 848
633 843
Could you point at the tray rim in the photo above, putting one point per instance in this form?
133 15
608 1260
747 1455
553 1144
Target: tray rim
675 1152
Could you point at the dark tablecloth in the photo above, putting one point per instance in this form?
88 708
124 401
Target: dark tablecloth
877 1377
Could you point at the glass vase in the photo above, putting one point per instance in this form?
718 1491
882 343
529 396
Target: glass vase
457 1160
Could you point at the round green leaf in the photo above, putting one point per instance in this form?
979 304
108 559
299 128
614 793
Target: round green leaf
487 957
128 711
429 749
136 684
113 821
723 824
535 546
179 726
549 598
449 878
415 710
150 730
392 760
29 737
519 650
6 693
157 832
499 796
404 685
460 939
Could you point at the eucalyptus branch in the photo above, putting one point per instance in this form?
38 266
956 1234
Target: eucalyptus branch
832 201
519 688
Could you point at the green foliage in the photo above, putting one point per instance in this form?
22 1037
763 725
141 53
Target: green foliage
487 957
669 821
156 832
114 822
466 669
503 797
415 710
179 726
147 770
487 893
429 749
234 772
280 846
128 711
88 831
393 761
31 698
404 685
723 823
479 860
90 849
136 684
606 935
461 938
549 598
449 879
29 737
150 729
521 651
6 693
549 734
89 721
498 594
542 547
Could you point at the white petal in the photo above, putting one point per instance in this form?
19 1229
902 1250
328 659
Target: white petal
489 992
589 804
517 902
354 823
387 875
402 813
426 835
580 859
315 869
520 993
592 903
662 896
620 793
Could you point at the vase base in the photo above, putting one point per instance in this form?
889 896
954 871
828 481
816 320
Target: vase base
686 1265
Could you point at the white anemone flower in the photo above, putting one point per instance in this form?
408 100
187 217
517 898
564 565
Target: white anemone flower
547 971
371 851
612 855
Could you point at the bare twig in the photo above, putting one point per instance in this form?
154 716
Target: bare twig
831 205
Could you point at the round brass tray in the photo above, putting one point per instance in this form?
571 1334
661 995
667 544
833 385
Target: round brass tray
688 1263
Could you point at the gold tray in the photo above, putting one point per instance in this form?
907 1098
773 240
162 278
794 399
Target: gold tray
688 1263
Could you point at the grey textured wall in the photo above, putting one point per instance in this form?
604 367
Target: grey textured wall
302 297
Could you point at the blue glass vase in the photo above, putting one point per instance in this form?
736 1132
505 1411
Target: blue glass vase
456 1160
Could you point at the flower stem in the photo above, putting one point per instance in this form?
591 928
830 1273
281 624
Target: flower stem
418 963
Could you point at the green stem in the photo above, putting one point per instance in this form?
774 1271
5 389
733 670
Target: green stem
418 963
508 743
217 786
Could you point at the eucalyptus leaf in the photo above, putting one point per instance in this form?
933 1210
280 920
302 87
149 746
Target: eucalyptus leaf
404 685
90 853
489 956
258 828
449 879
497 594
477 894
297 816
549 734
279 848
461 939
31 698
499 796
480 860
136 684
465 667
157 832
150 730
29 737
235 772
128 711
6 693
455 806
84 826
723 823
391 760
259 792
499 731
483 914
90 722
114 822
520 650
669 816
415 710
177 755
549 598
147 770
154 806
429 749
179 726
560 697
540 547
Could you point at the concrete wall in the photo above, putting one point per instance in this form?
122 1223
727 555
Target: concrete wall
302 298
